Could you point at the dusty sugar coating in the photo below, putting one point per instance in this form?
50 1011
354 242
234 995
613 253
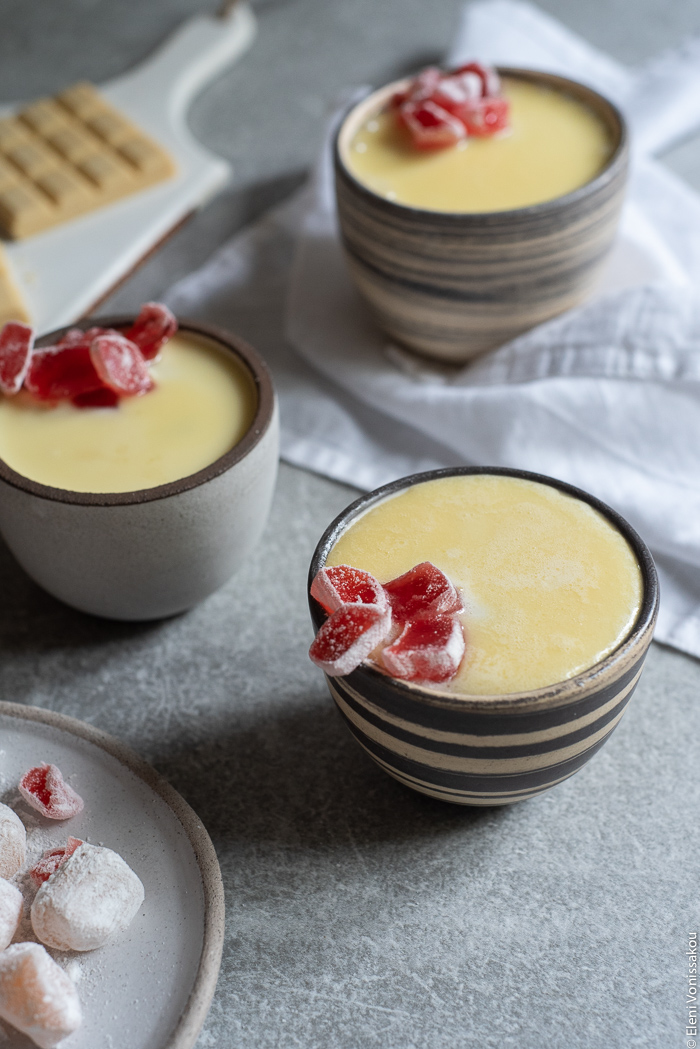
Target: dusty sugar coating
348 636
45 789
11 902
90 898
52 860
428 649
335 587
13 842
36 996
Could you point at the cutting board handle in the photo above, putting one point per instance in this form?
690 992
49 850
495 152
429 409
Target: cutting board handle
173 74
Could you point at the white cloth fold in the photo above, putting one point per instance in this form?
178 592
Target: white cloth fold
606 397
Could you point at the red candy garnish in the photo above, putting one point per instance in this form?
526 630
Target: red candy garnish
154 325
431 126
16 343
59 372
348 636
45 789
490 80
439 109
52 860
422 591
420 606
91 368
428 649
120 364
343 585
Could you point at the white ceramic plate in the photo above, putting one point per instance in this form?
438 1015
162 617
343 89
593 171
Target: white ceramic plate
151 987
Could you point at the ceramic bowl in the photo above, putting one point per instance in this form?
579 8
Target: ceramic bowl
156 551
452 285
489 750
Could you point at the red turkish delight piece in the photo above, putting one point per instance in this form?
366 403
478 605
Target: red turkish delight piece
16 344
485 117
342 585
430 125
441 109
104 398
348 636
422 591
45 789
120 364
490 80
52 860
59 372
154 325
420 88
428 649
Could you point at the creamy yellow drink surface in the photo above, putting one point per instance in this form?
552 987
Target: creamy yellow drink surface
203 404
549 585
555 144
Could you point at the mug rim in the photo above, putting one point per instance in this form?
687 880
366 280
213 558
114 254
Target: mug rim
617 158
558 694
260 424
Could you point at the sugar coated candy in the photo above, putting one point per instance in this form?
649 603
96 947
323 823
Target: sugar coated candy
431 125
342 585
10 911
348 636
45 789
120 364
52 860
428 649
13 842
423 590
92 896
36 996
16 343
63 371
441 109
154 325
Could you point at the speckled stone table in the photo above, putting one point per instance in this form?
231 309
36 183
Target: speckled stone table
360 914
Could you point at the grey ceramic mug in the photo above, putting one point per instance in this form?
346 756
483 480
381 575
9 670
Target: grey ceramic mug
156 551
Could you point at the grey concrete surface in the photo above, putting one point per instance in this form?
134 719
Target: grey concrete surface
360 914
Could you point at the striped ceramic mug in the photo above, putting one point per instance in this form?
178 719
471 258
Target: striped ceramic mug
452 285
489 750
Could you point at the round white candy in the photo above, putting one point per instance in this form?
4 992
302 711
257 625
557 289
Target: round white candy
13 842
10 912
36 996
92 896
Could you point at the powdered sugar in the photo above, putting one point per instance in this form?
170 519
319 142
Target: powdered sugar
45 789
36 995
92 896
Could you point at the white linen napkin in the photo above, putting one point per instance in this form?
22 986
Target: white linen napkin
606 396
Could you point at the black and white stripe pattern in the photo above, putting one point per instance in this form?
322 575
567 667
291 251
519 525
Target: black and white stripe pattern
454 284
490 750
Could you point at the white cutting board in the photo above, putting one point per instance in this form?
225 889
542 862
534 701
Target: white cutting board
65 271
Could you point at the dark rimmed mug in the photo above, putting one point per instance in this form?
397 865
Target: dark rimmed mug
489 750
155 551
